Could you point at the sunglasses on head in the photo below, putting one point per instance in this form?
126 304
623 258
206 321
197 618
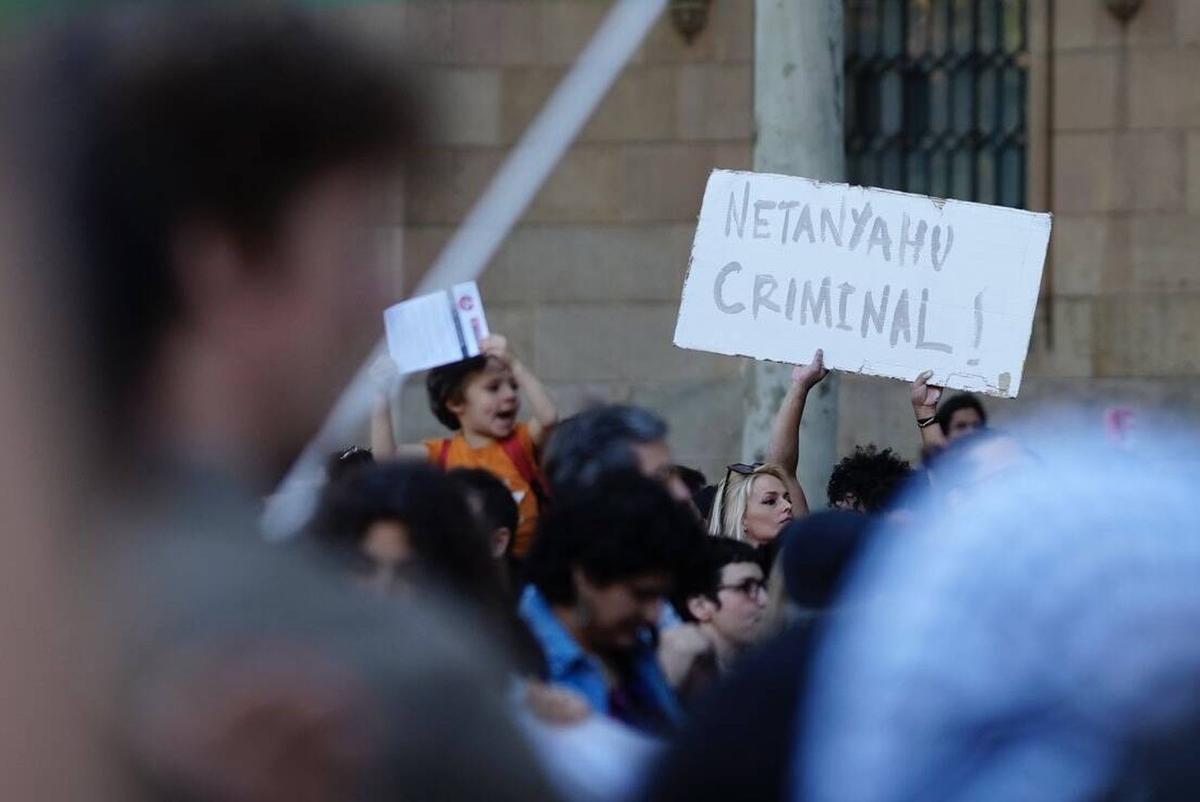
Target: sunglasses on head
740 468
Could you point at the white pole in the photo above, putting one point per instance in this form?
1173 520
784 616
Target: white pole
467 254
798 119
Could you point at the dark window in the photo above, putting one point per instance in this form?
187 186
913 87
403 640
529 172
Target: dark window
935 97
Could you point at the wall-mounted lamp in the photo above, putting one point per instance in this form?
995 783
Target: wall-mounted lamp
1123 9
690 17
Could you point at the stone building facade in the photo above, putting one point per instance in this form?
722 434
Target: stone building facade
587 287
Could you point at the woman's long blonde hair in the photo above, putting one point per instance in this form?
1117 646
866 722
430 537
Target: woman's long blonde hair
733 497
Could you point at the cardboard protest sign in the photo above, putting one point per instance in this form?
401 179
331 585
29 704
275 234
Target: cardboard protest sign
436 329
887 283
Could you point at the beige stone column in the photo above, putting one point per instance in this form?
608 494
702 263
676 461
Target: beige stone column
798 126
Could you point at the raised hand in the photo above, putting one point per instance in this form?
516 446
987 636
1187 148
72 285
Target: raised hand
495 345
925 396
808 376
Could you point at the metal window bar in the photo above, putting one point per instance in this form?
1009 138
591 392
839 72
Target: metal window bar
935 97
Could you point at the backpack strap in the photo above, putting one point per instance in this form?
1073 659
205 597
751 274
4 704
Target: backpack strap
528 471
444 454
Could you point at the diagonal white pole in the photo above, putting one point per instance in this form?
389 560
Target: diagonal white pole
467 254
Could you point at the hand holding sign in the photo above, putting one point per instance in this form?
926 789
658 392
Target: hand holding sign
496 345
924 396
810 375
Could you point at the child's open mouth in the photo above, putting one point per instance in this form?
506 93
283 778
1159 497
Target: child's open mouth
507 416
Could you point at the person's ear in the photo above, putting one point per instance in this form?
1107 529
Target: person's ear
500 539
702 608
457 404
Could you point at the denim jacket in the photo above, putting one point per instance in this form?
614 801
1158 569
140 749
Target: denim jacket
572 667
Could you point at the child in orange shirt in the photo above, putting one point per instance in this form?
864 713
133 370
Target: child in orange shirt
478 399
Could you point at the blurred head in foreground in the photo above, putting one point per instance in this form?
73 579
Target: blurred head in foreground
973 462
217 177
204 183
389 520
1034 641
819 552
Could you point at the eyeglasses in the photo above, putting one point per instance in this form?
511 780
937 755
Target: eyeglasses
748 587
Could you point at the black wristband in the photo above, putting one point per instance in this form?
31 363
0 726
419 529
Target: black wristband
923 422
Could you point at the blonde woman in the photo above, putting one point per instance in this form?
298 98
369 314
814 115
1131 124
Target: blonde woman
754 503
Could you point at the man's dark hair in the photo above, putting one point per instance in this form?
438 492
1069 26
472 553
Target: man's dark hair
446 385
623 527
586 447
498 509
869 478
448 543
694 479
819 552
701 575
703 494
956 402
704 498
155 118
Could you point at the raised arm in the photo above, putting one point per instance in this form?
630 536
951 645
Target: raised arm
784 446
925 398
543 412
383 438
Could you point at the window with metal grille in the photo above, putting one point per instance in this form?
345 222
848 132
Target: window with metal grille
935 97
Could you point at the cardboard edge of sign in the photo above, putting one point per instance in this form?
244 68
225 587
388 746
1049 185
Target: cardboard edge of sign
868 369
1046 218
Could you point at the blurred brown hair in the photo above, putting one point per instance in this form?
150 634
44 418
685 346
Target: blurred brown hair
145 120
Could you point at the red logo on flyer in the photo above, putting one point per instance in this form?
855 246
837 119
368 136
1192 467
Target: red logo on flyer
466 303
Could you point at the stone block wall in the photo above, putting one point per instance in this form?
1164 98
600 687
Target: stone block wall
1115 155
587 287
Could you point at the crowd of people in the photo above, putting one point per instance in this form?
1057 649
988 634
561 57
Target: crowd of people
534 606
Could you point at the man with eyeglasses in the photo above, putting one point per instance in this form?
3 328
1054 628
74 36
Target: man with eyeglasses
723 598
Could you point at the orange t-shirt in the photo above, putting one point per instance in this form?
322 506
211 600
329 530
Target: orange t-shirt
493 458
